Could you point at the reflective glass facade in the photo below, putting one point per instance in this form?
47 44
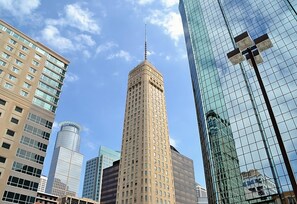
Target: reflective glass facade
94 172
66 165
235 129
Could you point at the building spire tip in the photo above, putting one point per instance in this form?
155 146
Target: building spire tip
145 44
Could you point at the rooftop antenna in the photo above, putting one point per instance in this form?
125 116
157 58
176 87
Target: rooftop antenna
145 44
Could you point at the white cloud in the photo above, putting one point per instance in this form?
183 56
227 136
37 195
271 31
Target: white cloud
116 74
144 2
85 39
121 54
86 129
149 53
92 146
77 17
19 7
105 47
70 77
52 36
173 142
170 22
169 3
55 126
81 19
86 54
141 2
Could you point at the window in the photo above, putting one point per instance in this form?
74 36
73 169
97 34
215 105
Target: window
18 62
37 56
32 70
39 120
9 48
26 85
2 63
10 132
21 55
37 132
24 48
35 63
5 55
23 93
5 145
18 109
13 42
2 159
26 169
2 102
12 78
29 77
8 85
15 70
17 198
14 120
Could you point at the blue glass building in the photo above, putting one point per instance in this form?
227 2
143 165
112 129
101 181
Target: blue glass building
94 172
236 133
66 165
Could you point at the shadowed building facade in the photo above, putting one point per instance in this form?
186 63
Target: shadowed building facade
145 173
31 79
110 184
184 179
235 129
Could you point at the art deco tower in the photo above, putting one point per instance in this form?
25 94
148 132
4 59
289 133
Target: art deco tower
145 174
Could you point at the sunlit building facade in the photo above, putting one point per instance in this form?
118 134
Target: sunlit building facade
233 93
201 194
31 79
145 173
42 184
66 165
94 172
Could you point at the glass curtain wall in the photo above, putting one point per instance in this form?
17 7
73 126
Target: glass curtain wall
231 112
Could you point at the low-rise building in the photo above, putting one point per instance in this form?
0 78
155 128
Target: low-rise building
45 198
75 200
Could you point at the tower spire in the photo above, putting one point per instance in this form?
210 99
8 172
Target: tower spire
145 44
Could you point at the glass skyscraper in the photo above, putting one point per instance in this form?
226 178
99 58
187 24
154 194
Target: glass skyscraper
236 133
66 165
94 172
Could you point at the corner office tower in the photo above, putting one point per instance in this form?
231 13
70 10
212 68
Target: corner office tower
31 78
236 132
65 171
145 174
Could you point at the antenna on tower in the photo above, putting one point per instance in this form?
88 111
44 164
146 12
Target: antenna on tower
145 44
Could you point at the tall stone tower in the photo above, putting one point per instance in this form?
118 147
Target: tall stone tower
145 174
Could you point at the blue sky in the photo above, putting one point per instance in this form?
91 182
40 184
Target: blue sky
104 40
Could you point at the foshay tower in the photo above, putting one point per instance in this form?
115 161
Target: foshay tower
145 174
